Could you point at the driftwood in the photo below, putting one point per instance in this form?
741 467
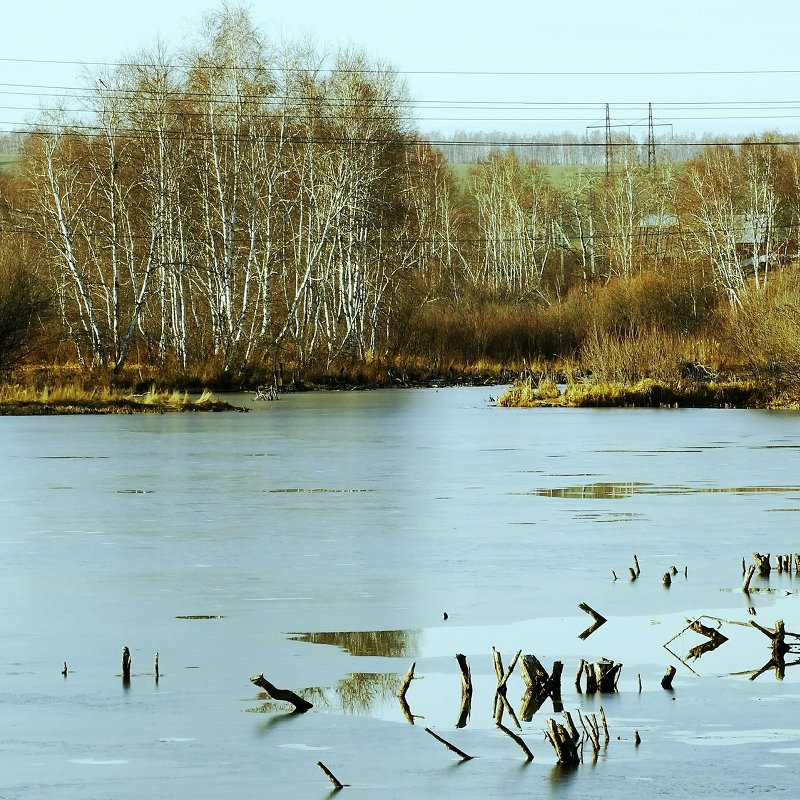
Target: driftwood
337 785
300 705
666 681
466 691
598 618
449 746
666 579
519 740
65 671
636 563
126 664
401 693
748 577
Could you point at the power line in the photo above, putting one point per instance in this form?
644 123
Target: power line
381 71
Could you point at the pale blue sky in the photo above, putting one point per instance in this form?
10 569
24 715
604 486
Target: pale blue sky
756 43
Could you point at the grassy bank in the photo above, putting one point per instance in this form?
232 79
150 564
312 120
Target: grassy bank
645 394
71 399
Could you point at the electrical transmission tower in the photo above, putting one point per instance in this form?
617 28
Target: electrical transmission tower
651 139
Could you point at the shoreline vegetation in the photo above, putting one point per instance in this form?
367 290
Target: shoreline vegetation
72 399
645 393
213 222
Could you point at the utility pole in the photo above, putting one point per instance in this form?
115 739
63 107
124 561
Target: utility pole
651 139
609 150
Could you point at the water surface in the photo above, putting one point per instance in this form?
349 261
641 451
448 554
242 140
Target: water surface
319 539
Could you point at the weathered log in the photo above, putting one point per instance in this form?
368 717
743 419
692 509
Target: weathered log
300 705
666 681
503 685
534 674
777 637
710 633
401 692
763 564
406 709
598 618
449 746
602 676
562 741
466 675
498 665
337 785
126 664
519 740
579 674
751 570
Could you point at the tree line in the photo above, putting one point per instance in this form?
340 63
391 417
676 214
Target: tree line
240 205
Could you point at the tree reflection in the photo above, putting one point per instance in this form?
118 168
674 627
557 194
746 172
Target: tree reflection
387 644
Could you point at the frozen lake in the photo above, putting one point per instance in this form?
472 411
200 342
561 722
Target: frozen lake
320 539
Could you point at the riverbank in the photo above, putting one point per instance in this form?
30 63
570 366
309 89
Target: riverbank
646 394
22 401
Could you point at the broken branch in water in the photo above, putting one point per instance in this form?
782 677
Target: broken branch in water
287 695
406 681
337 785
518 739
464 756
599 620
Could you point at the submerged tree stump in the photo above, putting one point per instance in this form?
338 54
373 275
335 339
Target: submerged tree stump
762 564
600 677
564 741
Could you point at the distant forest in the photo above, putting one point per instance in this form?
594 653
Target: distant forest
235 206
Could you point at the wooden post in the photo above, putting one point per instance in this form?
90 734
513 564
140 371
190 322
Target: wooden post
605 725
126 664
156 668
466 675
666 579
666 681
636 562
578 674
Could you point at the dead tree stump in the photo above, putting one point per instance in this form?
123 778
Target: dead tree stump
762 564
601 676
563 742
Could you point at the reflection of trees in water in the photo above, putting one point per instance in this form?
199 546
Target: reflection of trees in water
388 644
355 694
358 692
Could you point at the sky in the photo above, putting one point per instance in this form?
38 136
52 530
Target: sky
726 67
